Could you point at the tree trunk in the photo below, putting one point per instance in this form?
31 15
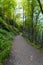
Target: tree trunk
42 40
40 6
32 20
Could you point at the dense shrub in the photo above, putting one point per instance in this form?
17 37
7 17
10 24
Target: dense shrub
6 36
5 26
5 44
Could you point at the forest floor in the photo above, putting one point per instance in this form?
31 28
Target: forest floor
23 54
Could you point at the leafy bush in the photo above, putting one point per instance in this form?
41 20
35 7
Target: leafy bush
5 44
6 26
6 35
0 63
5 53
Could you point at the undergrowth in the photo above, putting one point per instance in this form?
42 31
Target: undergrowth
5 44
6 35
36 45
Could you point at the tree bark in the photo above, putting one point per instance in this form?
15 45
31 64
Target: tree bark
42 40
32 6
40 6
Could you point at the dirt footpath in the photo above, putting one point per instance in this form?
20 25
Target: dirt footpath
24 54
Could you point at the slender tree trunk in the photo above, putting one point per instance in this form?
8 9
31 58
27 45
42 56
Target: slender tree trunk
35 30
32 20
40 6
23 17
42 13
42 40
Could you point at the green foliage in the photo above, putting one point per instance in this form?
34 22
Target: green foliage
0 63
5 52
11 24
7 27
7 8
5 38
5 44
33 21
